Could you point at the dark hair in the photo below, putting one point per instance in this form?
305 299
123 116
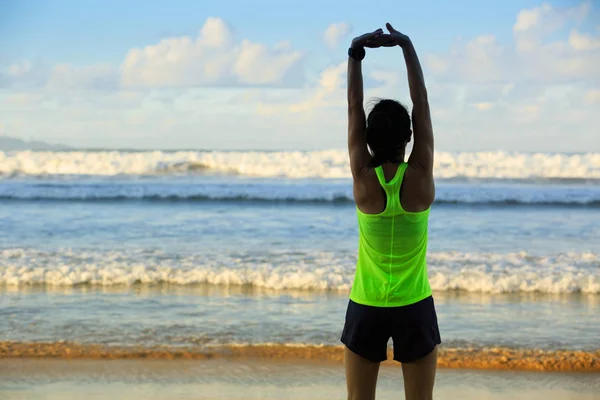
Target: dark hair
388 131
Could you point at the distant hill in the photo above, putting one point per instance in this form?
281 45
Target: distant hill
11 144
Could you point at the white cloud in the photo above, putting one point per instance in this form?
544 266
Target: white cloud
333 77
386 77
215 33
95 77
527 19
328 92
533 24
580 41
484 106
19 69
257 65
23 99
437 64
211 59
490 95
532 57
23 74
198 92
335 33
484 94
593 96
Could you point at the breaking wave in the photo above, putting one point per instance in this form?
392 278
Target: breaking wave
326 164
320 271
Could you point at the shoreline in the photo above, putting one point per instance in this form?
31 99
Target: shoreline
254 379
475 359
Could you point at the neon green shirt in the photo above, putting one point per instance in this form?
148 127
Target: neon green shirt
391 269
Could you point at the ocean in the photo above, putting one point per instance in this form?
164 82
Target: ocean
229 248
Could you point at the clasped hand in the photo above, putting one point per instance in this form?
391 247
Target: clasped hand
379 39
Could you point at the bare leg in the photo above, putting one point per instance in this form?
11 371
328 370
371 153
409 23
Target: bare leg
361 376
419 377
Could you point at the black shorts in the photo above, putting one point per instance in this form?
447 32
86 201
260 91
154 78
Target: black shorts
413 329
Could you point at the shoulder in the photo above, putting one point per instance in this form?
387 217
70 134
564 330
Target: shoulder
364 183
419 185
365 178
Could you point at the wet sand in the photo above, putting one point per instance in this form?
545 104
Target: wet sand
484 359
228 379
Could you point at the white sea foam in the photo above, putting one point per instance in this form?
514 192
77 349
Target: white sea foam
448 271
292 164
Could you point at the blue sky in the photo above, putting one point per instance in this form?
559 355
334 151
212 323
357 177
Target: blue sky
509 75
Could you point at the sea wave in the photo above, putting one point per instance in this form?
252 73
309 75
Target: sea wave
273 191
333 199
326 164
320 271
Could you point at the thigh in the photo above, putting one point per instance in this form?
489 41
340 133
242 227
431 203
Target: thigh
419 377
361 376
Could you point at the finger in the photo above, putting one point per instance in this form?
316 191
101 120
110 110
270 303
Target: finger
390 28
375 33
371 35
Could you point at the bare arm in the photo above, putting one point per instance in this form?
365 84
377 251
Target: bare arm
421 156
420 161
357 142
357 125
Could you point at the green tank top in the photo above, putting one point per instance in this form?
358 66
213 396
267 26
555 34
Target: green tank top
391 269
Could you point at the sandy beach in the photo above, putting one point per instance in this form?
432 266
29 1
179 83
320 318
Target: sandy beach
72 371
53 379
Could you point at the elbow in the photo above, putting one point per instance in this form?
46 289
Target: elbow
420 97
354 100
355 103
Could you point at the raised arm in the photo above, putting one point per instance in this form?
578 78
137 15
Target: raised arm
357 142
421 157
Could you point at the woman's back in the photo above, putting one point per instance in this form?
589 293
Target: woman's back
391 268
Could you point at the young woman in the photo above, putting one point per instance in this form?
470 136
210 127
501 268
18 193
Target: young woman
391 296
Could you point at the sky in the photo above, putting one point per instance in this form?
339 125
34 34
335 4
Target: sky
501 74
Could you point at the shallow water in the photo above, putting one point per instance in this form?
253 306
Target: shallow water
209 315
194 258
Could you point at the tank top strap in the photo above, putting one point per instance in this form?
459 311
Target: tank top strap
392 188
380 176
396 180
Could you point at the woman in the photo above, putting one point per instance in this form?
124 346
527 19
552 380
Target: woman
391 296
